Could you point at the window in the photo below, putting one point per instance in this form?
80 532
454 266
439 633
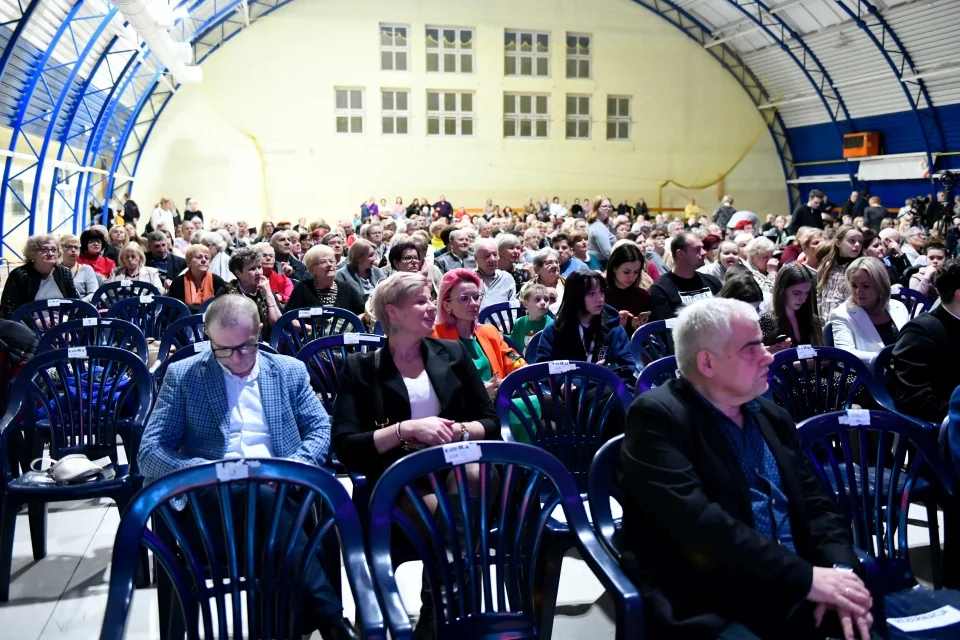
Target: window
578 55
449 50
394 47
449 113
526 53
526 115
349 110
618 118
578 117
395 111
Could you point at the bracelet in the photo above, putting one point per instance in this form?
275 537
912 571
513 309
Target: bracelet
399 437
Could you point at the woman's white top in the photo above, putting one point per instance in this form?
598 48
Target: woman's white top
854 331
424 402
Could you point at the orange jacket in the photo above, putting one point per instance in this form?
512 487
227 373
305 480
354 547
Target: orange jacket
502 357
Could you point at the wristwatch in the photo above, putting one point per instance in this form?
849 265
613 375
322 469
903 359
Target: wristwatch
464 433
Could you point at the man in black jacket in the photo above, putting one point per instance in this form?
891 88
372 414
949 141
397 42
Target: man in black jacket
925 358
160 258
684 285
726 526
808 215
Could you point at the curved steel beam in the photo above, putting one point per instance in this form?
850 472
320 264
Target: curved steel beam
731 61
22 22
900 62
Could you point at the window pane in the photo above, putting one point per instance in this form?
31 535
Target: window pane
449 102
584 43
611 106
466 63
509 66
526 66
624 107
571 105
356 100
466 39
509 41
402 125
401 99
509 128
433 102
341 124
526 42
571 68
543 42
386 61
583 129
541 128
583 70
433 126
571 129
386 36
542 105
400 61
356 124
450 126
623 130
400 36
433 38
509 104
387 100
388 125
450 62
525 104
341 99
433 62
571 44
466 102
449 38
611 131
466 127
584 106
526 128
543 67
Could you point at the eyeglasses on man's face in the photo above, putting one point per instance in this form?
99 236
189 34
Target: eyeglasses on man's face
226 352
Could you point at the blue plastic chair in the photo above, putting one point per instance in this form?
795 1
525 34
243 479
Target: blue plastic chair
828 334
378 329
604 485
481 553
530 353
502 315
657 373
40 315
651 342
915 302
152 315
111 293
878 516
296 328
261 571
203 308
96 332
181 333
81 402
826 380
325 357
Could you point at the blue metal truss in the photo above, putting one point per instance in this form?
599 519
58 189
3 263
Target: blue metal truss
18 24
893 51
731 61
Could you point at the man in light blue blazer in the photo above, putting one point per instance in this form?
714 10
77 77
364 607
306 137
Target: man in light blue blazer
235 402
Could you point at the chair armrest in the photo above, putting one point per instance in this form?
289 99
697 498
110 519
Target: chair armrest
361 496
626 596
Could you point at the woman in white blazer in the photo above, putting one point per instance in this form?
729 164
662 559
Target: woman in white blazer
869 320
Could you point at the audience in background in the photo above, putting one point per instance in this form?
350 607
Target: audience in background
337 244
168 265
728 254
319 288
624 290
216 244
40 277
84 278
684 284
249 281
282 243
459 255
935 253
359 274
562 244
133 267
740 285
914 237
281 285
600 237
807 215
792 319
497 285
763 268
546 266
91 245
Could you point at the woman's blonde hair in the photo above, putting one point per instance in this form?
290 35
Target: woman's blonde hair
193 250
126 236
135 248
395 290
357 252
316 252
832 253
877 273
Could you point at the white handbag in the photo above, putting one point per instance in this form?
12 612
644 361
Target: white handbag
70 469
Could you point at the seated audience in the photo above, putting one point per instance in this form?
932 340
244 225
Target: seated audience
461 298
196 285
562 244
117 239
281 285
893 257
922 281
108 250
579 331
168 265
684 284
40 277
237 403
914 237
536 300
267 229
727 256
84 278
546 267
792 318
510 251
335 241
404 257
187 230
869 320
360 274
319 288
458 256
498 286
133 267
727 530
759 252
219 257
250 282
600 237
91 245
845 247
810 239
624 275
741 285
282 242
925 358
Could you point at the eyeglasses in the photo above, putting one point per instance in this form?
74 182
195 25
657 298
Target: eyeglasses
476 297
49 251
70 247
226 352
550 263
410 259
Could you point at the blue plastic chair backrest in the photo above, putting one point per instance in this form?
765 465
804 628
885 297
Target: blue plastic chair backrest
915 302
81 396
296 328
808 381
652 341
604 485
258 584
657 373
564 408
96 332
530 353
502 315
188 351
325 357
480 549
40 315
828 334
846 448
153 315
203 308
111 293
181 333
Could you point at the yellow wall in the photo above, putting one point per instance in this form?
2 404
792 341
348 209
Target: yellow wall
273 86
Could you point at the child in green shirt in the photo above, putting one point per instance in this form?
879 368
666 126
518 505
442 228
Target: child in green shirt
535 298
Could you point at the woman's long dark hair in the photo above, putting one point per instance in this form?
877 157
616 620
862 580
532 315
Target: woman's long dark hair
742 287
791 275
626 252
575 290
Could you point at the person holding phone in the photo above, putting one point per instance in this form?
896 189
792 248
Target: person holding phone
624 291
792 315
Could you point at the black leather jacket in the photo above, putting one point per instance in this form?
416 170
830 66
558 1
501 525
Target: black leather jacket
24 283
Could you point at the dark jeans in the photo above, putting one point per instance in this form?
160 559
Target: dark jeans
321 604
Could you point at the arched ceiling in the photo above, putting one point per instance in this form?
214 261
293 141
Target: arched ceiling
81 93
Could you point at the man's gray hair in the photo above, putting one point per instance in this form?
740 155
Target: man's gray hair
912 231
395 290
487 244
706 325
230 310
890 234
156 236
278 235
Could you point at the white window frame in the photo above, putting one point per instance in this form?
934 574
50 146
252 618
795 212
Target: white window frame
458 51
519 118
395 114
577 57
394 49
441 115
350 112
578 117
618 119
518 55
